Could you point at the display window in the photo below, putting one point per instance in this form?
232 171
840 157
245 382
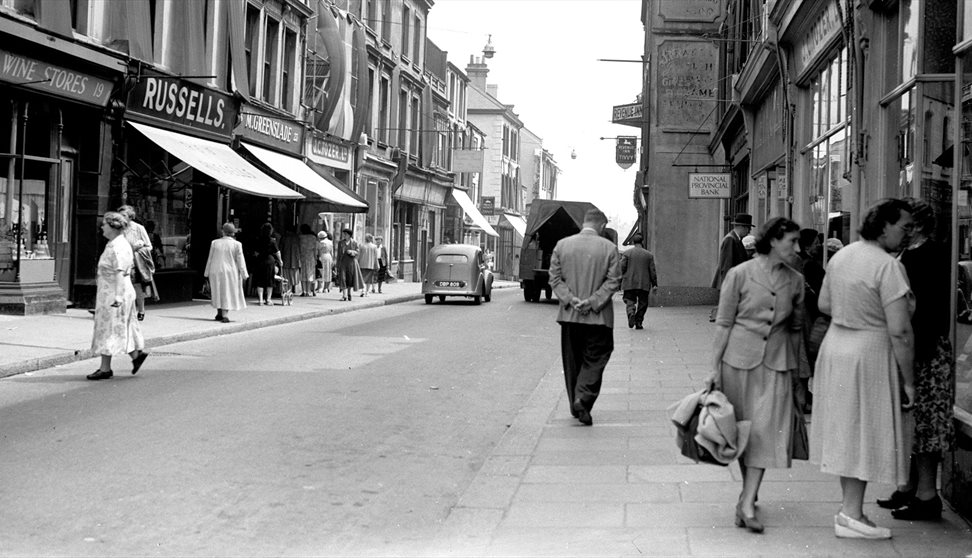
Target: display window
160 188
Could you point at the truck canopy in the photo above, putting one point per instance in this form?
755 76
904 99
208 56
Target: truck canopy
542 211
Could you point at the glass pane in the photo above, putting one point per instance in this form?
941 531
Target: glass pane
910 17
833 99
815 125
963 329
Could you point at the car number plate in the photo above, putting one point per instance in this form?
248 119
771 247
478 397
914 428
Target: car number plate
450 283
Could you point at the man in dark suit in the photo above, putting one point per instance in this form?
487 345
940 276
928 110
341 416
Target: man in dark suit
731 251
584 272
638 278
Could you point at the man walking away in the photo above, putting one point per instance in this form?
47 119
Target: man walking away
732 252
585 272
638 278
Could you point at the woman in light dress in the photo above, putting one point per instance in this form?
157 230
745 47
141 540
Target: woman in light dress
864 372
368 262
226 271
758 329
309 250
143 270
326 257
116 328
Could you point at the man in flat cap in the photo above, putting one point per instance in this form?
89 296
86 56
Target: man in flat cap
732 252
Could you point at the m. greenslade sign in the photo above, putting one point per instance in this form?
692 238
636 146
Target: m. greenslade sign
709 185
271 131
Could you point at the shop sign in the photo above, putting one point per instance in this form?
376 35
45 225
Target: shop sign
631 114
326 151
818 36
761 187
625 152
690 10
487 205
270 131
41 76
686 84
781 186
184 103
709 185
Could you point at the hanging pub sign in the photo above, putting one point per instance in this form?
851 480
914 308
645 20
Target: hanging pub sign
625 152
709 185
271 131
159 100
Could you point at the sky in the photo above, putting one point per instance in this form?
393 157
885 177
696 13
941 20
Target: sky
546 65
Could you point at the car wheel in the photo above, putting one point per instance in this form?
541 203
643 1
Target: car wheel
441 298
428 299
477 299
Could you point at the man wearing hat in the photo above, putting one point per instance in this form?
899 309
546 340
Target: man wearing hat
732 252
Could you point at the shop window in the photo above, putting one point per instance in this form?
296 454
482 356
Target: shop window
23 7
909 18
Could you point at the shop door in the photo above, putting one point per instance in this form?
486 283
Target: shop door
59 236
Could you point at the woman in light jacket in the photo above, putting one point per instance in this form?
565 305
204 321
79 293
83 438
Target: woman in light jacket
226 271
755 352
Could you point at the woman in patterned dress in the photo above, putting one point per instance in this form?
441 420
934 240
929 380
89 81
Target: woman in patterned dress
927 264
116 328
759 321
864 371
326 257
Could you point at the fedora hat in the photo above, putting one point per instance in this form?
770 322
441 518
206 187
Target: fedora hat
742 219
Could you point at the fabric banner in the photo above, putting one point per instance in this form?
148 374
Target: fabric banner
343 38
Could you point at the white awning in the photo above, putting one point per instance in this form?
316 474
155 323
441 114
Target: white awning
467 205
218 161
518 224
296 171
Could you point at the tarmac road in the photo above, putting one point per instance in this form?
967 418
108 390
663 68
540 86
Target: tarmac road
350 434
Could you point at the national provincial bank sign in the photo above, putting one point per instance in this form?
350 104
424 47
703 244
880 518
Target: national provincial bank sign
270 131
709 185
178 104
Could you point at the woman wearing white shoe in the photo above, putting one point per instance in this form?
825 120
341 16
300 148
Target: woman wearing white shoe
864 375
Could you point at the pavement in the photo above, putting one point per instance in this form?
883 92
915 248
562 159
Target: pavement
29 343
552 487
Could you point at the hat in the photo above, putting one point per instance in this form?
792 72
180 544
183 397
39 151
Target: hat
229 229
742 219
749 242
834 244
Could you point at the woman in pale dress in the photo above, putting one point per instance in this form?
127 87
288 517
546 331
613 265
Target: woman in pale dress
368 263
226 271
326 257
758 327
863 376
116 328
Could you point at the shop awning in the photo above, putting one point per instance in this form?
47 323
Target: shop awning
518 224
218 161
296 171
467 205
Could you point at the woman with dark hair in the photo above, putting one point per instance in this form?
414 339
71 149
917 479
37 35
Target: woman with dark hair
754 354
267 258
927 262
116 329
863 374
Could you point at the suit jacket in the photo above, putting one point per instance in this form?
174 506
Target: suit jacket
638 269
731 253
585 265
761 316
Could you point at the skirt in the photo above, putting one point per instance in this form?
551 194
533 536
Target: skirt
764 397
934 399
858 430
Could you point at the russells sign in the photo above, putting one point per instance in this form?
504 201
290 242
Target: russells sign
183 103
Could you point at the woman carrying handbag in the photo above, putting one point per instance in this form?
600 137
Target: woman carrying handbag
758 329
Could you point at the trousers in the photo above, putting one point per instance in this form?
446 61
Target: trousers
635 305
586 349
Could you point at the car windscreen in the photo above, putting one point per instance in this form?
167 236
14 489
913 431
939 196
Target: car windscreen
451 258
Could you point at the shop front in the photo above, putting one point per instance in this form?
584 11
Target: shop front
333 161
177 169
55 129
418 207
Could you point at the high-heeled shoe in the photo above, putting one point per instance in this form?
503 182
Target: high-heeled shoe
137 361
920 510
748 522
